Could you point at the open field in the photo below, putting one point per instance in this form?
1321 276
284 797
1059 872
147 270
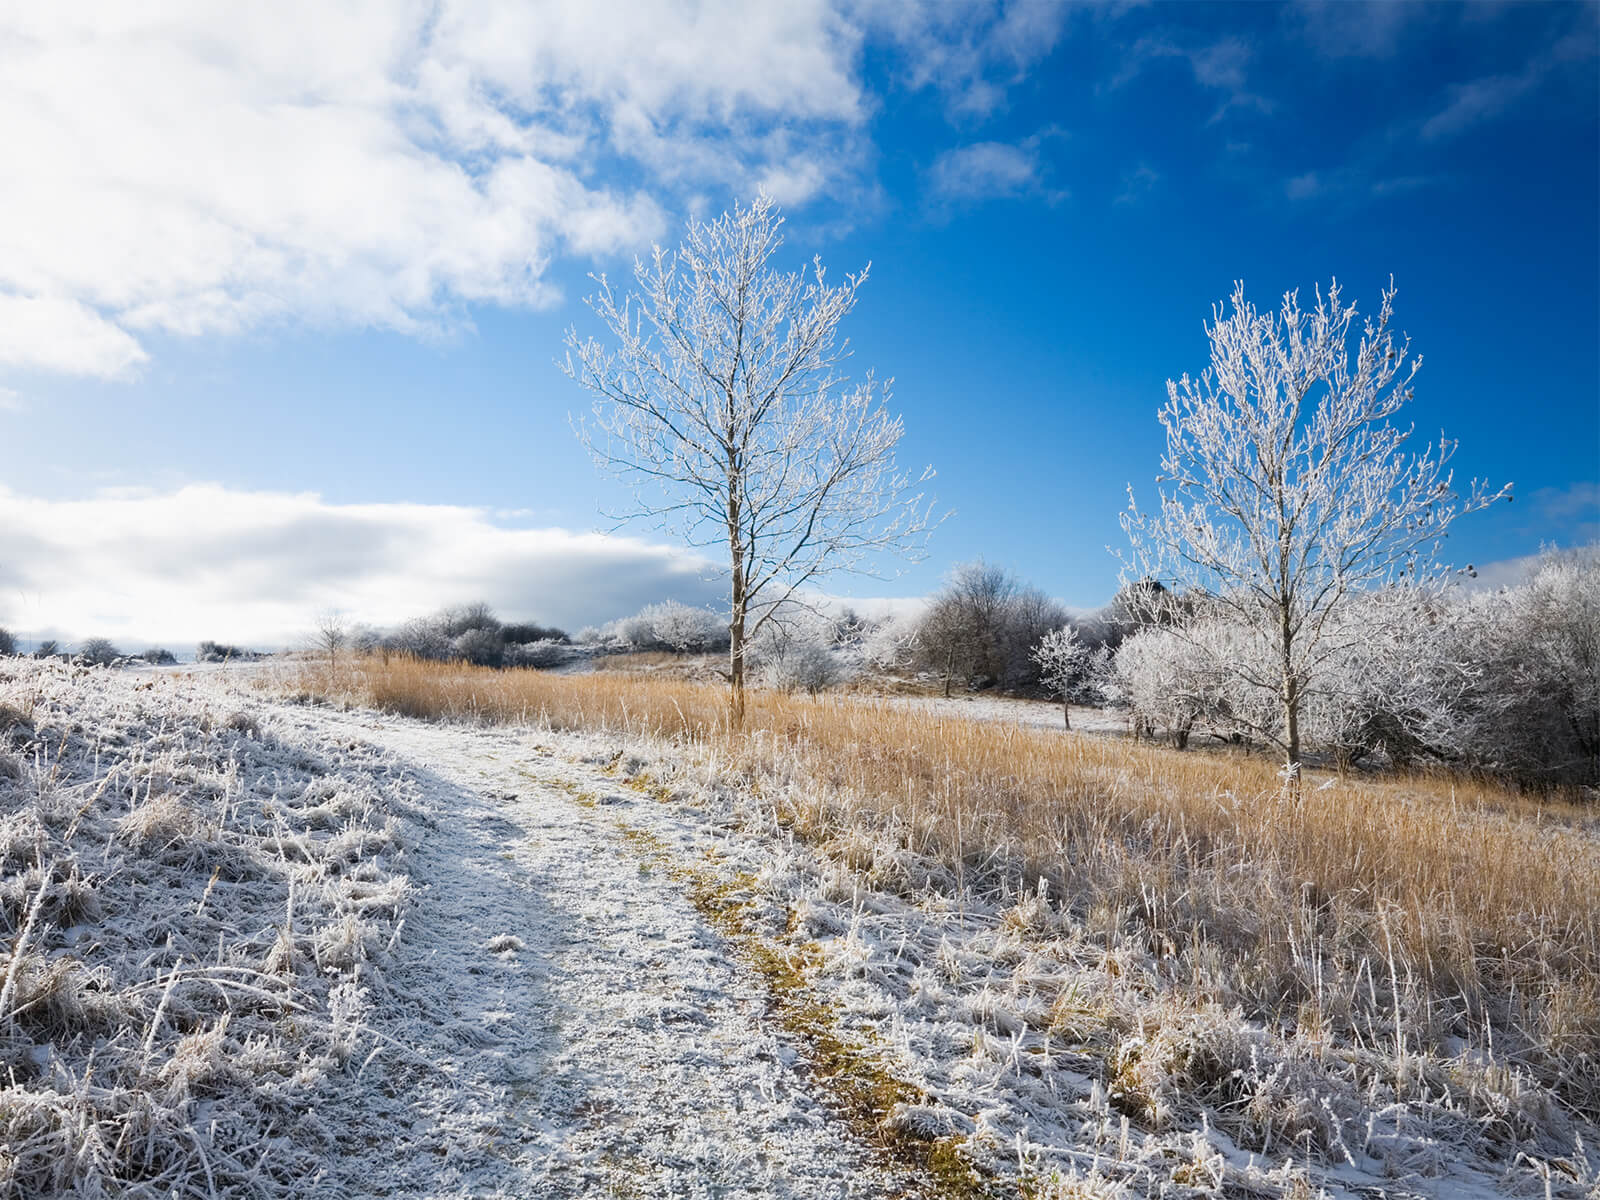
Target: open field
1425 942
465 933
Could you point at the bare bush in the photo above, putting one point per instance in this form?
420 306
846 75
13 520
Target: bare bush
982 626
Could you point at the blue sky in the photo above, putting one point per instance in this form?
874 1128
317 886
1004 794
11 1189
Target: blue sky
337 280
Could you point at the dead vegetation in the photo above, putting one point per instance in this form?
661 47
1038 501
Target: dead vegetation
188 954
1407 938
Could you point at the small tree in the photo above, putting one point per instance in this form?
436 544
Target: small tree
724 403
1290 489
99 652
331 635
1061 656
8 643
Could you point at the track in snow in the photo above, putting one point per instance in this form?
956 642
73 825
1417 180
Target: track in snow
612 1048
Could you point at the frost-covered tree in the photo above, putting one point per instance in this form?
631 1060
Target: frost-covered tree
1400 680
1061 657
724 402
1288 489
1534 711
99 652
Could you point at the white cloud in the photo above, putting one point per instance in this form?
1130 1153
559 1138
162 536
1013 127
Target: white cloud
970 50
193 168
64 335
256 567
1220 65
1479 100
1341 29
984 170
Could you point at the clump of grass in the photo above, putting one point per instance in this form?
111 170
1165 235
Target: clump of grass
1397 914
146 865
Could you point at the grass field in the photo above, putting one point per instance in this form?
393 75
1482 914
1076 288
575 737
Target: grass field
1410 920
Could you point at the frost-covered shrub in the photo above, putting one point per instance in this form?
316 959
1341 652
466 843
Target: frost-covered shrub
889 644
542 654
522 633
795 652
1162 682
481 647
8 643
1534 708
472 633
423 637
670 626
99 652
159 657
800 666
215 652
1393 681
1507 682
48 648
683 629
366 640
467 618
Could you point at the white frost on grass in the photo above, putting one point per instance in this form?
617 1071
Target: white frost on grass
197 915
1057 1055
560 1021
462 962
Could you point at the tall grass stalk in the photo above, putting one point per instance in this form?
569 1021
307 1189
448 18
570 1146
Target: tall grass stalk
1475 904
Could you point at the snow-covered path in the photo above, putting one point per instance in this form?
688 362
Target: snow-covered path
563 1021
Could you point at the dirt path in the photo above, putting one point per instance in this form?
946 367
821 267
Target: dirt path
563 1021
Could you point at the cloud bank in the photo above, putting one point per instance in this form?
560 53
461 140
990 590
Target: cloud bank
182 168
256 568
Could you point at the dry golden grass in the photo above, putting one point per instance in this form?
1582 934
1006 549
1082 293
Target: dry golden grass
1392 913
637 660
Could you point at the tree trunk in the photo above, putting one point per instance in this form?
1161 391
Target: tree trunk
736 602
949 668
736 674
1291 698
1066 712
736 648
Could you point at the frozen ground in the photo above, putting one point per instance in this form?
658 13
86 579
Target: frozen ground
600 972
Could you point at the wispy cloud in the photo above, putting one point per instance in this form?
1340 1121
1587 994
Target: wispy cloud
1354 184
1483 99
256 567
984 169
1219 65
1358 28
1570 513
1137 184
994 170
972 51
